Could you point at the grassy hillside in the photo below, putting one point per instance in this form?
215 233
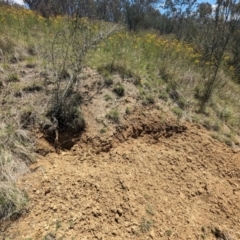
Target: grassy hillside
54 51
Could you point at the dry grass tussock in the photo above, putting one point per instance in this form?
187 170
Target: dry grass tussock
16 152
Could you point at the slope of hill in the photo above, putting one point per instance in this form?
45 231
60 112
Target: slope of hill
120 150
152 179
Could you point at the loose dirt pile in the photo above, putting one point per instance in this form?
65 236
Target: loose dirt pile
152 179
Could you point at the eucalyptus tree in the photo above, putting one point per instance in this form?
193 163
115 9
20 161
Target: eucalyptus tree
215 35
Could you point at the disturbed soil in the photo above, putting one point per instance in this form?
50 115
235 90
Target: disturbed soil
148 176
153 178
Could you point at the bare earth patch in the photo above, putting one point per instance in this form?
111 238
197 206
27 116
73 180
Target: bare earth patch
155 180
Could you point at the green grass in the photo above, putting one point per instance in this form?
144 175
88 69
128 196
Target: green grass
119 90
107 97
113 115
13 77
145 225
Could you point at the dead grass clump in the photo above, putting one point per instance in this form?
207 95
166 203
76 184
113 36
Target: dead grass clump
12 201
16 152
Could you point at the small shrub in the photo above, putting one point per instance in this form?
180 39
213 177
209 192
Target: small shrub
103 130
168 233
149 99
217 137
30 62
147 85
104 71
49 236
99 82
196 119
163 95
228 141
31 50
31 65
119 89
107 97
146 225
207 124
115 68
33 88
225 114
16 151
58 224
128 111
178 111
216 126
108 82
198 93
1 84
12 201
64 74
182 103
150 210
13 78
164 73
66 110
7 45
113 115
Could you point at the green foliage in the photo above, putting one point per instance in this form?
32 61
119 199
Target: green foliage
7 45
149 99
67 55
119 89
58 224
49 236
146 225
164 73
128 111
163 95
107 97
35 87
113 115
178 111
168 233
150 210
103 130
66 109
13 77
108 81
108 69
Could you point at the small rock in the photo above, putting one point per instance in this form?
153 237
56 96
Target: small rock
119 211
134 229
116 218
113 210
152 234
161 234
236 150
55 207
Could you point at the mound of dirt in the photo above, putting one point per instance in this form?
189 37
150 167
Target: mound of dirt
150 179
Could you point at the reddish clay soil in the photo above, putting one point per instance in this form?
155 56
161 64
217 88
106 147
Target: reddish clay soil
150 179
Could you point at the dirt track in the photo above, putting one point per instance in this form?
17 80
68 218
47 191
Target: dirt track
150 180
